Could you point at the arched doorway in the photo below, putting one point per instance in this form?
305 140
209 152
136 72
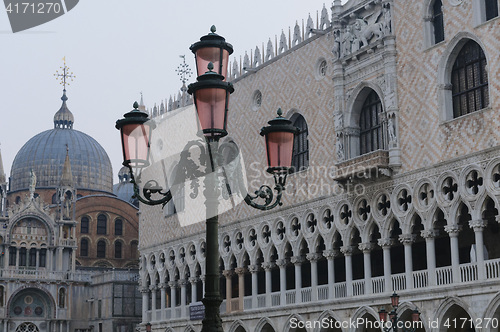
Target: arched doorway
27 327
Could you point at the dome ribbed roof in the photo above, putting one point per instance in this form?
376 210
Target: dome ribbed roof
45 154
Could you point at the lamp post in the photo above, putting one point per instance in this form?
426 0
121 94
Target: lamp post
148 327
211 97
394 319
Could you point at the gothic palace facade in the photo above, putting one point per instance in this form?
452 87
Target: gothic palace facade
397 180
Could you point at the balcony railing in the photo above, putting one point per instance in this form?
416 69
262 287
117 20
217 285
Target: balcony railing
419 279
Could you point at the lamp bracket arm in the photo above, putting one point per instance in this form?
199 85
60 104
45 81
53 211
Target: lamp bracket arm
266 194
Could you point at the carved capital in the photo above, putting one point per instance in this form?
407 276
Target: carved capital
152 288
453 230
314 257
172 284
228 273
202 278
297 260
478 225
267 266
347 250
163 285
282 262
240 270
144 290
330 254
407 239
253 268
193 280
366 247
445 86
183 282
429 234
386 243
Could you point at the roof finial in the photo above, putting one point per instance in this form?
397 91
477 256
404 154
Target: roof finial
183 70
65 74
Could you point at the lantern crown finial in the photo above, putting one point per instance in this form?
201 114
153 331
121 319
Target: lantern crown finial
136 105
213 29
280 113
210 66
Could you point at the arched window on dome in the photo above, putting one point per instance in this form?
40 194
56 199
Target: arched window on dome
102 223
469 80
118 249
84 225
118 227
370 128
84 247
101 249
300 156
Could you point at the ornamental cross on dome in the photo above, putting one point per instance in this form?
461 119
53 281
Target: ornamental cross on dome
183 70
66 74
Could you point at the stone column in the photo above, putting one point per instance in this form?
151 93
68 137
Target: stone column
314 258
37 259
254 269
282 265
407 240
347 252
366 248
50 257
145 302
153 302
73 260
430 251
478 226
59 258
202 278
7 257
163 295
297 261
386 245
194 289
453 231
229 288
330 256
173 297
18 257
183 283
240 271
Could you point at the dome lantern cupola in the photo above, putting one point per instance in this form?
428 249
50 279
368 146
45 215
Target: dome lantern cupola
63 119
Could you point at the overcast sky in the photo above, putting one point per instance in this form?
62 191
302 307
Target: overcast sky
116 49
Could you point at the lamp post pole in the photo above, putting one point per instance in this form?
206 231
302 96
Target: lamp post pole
212 299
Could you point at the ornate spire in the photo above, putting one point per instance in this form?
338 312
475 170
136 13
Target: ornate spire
64 118
2 172
67 176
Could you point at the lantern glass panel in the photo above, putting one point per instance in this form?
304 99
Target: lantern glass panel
205 55
382 315
395 300
415 316
279 146
211 108
135 142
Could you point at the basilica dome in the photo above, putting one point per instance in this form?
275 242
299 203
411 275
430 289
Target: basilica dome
45 154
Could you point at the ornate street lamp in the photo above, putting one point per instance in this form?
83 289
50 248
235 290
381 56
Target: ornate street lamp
211 98
394 319
148 327
212 48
